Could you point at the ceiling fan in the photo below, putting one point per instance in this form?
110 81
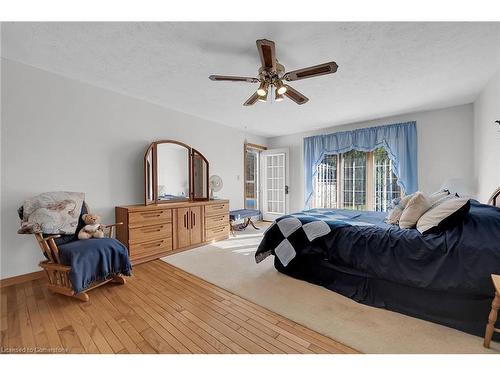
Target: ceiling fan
272 74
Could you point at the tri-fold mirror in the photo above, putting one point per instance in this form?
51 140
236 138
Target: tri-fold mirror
174 171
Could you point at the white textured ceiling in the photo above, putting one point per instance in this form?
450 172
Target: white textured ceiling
384 68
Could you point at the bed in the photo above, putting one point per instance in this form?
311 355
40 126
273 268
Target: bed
441 277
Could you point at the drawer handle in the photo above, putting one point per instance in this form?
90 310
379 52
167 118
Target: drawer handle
218 207
151 215
154 244
152 230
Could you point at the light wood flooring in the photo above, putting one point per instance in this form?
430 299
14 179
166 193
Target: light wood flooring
161 309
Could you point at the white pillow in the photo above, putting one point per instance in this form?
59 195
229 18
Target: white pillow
439 195
439 213
415 208
395 212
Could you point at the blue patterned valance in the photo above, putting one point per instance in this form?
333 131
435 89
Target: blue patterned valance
399 140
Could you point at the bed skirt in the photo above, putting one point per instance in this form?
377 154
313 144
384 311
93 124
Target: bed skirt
463 312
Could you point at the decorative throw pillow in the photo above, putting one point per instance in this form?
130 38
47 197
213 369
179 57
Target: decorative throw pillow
396 209
55 212
439 195
415 208
443 216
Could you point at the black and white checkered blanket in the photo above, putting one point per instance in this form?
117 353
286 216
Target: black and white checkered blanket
293 234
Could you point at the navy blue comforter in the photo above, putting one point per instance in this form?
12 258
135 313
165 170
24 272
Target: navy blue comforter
459 260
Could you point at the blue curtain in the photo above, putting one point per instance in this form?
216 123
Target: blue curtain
399 140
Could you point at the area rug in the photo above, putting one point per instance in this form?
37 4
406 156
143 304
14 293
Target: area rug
230 265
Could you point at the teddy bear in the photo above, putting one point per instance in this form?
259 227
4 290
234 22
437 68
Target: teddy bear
92 229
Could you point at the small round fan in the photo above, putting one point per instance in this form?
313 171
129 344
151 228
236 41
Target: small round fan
215 184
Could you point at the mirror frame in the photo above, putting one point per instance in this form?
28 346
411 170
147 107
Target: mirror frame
154 171
148 176
191 186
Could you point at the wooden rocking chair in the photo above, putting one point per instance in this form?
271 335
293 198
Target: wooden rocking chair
58 274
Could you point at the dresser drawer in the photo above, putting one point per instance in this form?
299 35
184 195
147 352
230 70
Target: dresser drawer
145 249
216 221
217 233
216 209
150 232
149 217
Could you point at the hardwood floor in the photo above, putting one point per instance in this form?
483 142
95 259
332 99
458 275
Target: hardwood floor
161 309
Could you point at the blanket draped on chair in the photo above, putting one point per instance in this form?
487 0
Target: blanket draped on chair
94 260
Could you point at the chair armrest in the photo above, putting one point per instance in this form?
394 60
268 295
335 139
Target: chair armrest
41 238
111 225
49 246
54 266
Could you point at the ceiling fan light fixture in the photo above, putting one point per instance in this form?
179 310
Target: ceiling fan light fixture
281 88
262 91
277 96
263 99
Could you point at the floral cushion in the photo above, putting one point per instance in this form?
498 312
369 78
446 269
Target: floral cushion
51 213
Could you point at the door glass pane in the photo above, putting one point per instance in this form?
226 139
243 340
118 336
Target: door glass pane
252 178
275 186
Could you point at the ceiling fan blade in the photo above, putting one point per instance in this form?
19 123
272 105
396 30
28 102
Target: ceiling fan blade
267 53
233 78
312 71
252 100
296 96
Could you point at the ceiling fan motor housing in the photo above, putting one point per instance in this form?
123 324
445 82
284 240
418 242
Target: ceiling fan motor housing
270 76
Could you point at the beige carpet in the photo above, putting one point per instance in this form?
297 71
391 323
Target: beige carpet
230 264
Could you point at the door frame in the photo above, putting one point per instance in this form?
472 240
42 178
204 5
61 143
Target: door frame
259 148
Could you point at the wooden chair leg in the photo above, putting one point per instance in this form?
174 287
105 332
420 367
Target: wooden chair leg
119 279
492 319
82 296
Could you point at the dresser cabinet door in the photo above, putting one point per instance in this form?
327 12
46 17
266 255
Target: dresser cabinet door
183 227
195 217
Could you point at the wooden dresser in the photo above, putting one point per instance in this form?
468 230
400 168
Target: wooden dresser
153 231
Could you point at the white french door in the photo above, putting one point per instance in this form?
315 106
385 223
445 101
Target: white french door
275 180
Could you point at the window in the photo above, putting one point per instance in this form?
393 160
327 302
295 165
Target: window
386 187
251 178
325 183
355 180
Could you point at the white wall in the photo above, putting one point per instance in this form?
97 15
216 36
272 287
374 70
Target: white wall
487 139
61 134
444 148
